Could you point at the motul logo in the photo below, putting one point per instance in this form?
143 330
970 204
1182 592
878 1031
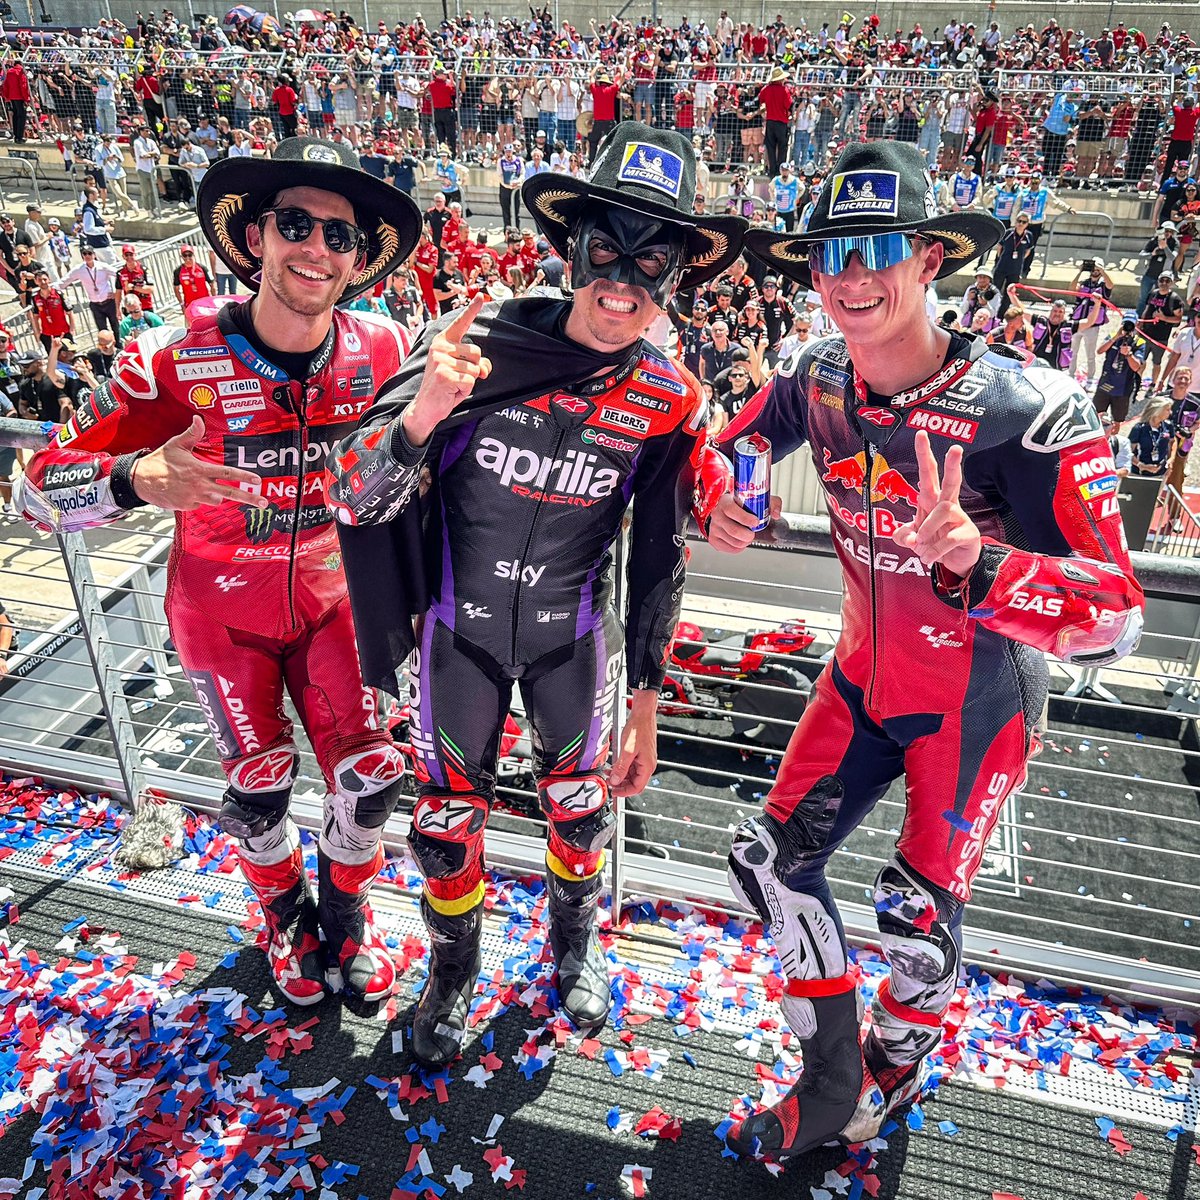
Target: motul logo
575 474
958 428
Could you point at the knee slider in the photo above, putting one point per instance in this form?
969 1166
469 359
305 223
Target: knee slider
260 786
807 938
373 780
918 924
580 817
446 839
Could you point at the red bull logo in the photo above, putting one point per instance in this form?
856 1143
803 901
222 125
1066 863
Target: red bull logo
887 484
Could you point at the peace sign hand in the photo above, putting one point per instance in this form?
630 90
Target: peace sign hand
941 532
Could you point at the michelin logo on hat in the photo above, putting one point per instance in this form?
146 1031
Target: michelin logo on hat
653 167
865 194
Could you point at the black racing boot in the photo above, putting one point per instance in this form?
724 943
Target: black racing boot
822 1102
293 936
888 1089
366 965
440 1021
583 989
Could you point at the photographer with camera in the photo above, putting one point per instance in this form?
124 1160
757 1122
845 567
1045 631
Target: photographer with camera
1159 252
1161 316
981 294
1095 286
1124 356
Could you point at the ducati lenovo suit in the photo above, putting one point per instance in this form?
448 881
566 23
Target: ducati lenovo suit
256 599
940 680
524 508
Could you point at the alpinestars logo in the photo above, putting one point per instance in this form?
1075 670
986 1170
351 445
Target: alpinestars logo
941 640
439 816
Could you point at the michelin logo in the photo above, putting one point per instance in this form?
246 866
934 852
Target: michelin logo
865 194
652 166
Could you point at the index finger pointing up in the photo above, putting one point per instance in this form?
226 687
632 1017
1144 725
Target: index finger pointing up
457 329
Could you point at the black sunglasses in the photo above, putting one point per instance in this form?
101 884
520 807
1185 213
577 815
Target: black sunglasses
296 225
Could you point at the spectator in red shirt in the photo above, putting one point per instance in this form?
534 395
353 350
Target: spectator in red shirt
775 100
15 90
445 117
512 254
604 108
425 259
51 316
148 90
133 279
286 101
530 259
985 124
192 281
1183 135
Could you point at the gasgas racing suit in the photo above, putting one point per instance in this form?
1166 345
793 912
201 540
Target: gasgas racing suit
935 678
256 599
526 506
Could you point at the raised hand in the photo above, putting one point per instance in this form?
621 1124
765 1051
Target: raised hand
940 531
453 369
173 476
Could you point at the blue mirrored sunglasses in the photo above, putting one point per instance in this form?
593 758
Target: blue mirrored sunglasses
878 252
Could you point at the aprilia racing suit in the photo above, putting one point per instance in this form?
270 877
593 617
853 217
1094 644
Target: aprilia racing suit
256 598
937 679
528 502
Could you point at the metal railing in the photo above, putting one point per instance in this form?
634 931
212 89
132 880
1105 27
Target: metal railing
1088 214
1091 877
1108 84
22 168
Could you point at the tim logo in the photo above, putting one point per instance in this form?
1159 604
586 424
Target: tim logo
653 167
864 194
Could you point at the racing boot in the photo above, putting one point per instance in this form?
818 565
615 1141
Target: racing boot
367 968
440 1020
888 1088
582 967
293 934
822 1102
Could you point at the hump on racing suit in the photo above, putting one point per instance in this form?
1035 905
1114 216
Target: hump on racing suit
1038 480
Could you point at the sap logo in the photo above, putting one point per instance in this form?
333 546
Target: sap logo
228 582
1048 606
940 641
238 424
476 610
620 419
972 847
1102 464
527 473
511 568
958 428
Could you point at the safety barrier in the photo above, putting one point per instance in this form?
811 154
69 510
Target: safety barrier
21 169
1091 877
1089 214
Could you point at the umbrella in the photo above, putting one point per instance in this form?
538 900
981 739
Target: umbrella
262 22
239 13
307 16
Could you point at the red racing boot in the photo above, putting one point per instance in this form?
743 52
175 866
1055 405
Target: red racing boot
349 925
823 1101
293 936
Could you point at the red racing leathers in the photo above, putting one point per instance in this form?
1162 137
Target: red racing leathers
256 598
938 679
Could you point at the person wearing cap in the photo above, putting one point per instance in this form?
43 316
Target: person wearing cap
506 395
146 153
605 107
39 239
910 427
60 247
1158 253
779 315
229 424
981 295
50 316
785 190
550 268
1171 190
191 282
1094 287
133 278
1186 214
1013 252
965 186
1123 356
1036 200
1054 336
1182 143
1185 346
1161 316
41 397
1063 111
775 101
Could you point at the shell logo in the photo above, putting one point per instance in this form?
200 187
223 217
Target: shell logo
202 396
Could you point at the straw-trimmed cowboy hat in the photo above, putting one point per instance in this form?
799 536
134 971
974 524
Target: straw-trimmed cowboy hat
879 187
646 170
235 191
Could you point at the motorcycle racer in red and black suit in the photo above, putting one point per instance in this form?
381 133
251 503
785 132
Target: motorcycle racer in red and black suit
972 500
535 435
232 433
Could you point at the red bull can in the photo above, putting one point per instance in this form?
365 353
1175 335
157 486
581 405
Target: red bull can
752 476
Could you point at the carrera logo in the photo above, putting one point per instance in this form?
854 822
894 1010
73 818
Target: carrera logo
958 428
594 437
243 404
202 396
662 382
572 479
572 404
239 387
883 417
620 419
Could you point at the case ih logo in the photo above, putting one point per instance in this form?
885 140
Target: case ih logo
883 417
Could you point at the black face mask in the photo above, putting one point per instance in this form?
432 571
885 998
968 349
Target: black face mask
628 239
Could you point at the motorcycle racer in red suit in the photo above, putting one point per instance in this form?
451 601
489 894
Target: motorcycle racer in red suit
536 433
972 499
229 424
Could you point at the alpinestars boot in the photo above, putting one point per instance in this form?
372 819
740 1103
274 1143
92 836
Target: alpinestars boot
822 1102
888 1088
440 1021
367 968
293 934
583 987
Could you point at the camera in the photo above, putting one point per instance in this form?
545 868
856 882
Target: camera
1088 264
1127 326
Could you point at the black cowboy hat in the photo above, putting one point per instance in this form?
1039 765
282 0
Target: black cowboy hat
234 192
879 187
650 171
